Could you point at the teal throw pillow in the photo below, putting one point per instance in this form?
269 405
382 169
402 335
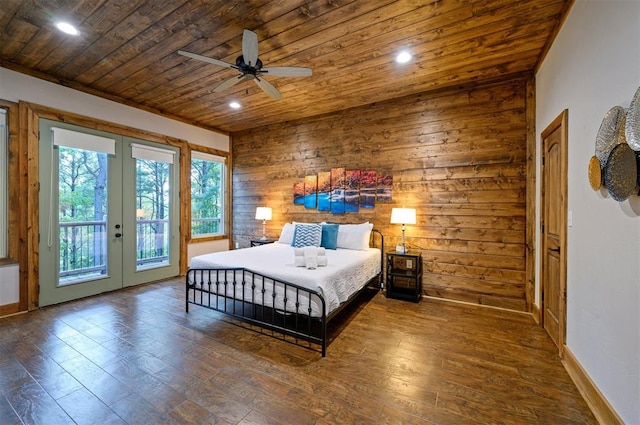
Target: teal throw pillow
329 236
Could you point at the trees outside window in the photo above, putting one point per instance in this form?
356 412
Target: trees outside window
207 194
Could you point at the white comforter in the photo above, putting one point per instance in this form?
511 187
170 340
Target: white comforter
347 270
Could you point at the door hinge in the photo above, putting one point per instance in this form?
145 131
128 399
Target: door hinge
542 228
542 159
38 237
38 186
38 135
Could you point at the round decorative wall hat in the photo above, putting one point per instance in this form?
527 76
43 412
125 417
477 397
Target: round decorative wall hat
621 172
595 173
632 125
610 133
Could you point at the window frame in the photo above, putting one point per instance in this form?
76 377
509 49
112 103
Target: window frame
4 188
15 203
226 204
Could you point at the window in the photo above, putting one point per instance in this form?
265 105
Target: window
207 194
4 182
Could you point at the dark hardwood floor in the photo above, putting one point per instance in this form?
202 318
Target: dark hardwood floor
135 357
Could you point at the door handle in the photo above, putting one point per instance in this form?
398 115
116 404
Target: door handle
555 249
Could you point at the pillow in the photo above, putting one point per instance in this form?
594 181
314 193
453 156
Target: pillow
286 236
354 236
307 235
329 238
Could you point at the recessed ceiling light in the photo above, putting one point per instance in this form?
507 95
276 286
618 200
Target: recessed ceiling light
235 105
403 57
67 28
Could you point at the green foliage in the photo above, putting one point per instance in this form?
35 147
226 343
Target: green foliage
206 196
82 180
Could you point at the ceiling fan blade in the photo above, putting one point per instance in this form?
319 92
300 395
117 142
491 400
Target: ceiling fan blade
287 71
228 83
250 47
206 59
268 88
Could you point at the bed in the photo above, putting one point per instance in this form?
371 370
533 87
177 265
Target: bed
261 285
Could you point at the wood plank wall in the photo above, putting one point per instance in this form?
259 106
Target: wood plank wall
458 156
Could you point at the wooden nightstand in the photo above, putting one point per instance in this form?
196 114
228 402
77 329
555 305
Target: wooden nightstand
258 242
404 276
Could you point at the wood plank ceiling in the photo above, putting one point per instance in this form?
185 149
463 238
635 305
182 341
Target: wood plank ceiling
126 50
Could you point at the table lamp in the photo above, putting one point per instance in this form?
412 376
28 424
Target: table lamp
264 214
403 216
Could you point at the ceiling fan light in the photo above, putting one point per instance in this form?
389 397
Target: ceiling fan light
67 28
403 57
235 105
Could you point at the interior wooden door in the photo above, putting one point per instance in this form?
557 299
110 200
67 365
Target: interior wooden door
553 229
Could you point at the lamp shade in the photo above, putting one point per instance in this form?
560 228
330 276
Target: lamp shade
263 213
403 216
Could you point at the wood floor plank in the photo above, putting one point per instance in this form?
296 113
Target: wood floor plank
86 409
134 356
8 416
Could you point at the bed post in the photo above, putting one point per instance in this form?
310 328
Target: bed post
324 337
381 276
186 298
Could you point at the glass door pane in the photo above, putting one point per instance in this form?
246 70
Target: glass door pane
151 208
152 213
82 215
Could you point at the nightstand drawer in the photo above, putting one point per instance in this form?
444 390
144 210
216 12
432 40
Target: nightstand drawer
404 263
403 282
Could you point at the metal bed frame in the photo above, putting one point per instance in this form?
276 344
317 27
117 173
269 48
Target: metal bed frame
225 290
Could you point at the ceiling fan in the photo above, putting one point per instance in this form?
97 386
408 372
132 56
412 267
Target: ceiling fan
250 67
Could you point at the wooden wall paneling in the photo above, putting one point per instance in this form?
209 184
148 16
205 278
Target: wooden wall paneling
29 139
459 156
185 206
530 242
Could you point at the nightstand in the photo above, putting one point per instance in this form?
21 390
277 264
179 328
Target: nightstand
404 276
258 242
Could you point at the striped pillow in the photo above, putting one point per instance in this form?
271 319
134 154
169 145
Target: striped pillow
307 235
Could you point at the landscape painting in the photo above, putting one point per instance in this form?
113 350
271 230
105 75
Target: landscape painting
298 193
352 191
368 189
324 191
310 191
337 190
342 191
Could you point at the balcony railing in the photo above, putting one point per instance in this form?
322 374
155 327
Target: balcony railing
83 247
205 226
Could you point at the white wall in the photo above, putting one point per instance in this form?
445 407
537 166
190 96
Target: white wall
593 65
9 288
15 87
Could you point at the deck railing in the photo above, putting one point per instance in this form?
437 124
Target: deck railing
83 247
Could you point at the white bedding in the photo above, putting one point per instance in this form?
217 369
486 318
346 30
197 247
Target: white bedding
347 270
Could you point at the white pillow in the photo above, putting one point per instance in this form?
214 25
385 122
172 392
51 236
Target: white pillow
354 236
286 236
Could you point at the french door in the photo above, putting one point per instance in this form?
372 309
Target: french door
108 212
